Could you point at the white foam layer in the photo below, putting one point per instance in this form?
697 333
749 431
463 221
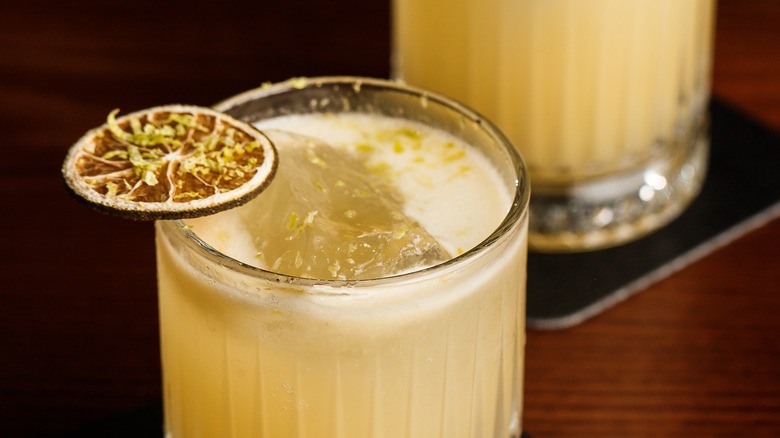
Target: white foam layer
448 187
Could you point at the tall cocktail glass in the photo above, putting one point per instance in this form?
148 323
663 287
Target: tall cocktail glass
605 99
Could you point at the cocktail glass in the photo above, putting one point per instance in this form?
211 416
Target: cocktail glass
605 99
432 353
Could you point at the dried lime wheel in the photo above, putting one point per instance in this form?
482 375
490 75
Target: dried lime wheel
169 162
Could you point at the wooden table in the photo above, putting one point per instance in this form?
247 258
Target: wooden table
697 354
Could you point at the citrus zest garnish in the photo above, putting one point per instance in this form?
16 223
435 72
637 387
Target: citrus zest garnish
169 162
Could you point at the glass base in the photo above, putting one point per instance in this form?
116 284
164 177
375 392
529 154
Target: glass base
619 208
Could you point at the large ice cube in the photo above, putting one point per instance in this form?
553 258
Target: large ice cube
326 216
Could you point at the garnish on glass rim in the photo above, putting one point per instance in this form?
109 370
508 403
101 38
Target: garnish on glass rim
169 162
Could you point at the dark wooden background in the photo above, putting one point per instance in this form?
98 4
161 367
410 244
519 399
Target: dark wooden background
696 355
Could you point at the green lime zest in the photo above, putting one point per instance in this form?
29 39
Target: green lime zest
150 144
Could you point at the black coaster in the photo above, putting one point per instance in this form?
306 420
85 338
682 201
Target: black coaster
740 193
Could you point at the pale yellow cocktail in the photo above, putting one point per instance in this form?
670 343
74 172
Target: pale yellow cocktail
312 343
605 99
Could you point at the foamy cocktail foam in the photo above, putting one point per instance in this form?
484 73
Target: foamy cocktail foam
362 196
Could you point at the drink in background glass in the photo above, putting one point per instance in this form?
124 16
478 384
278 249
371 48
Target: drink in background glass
390 297
605 99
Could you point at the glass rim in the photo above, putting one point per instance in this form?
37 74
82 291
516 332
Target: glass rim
514 216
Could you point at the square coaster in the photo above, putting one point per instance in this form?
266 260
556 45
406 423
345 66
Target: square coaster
741 192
